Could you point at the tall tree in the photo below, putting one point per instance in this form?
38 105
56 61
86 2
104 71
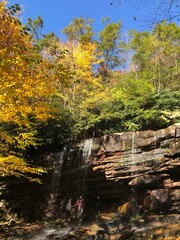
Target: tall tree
80 30
110 44
25 92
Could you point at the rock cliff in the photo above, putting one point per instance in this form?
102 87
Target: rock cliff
133 175
145 161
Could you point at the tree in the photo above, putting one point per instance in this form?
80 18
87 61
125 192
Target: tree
110 44
35 27
46 41
157 55
79 30
82 84
25 92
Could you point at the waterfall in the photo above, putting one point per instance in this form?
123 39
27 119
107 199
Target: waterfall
86 156
155 141
133 149
133 168
51 211
58 160
133 154
87 148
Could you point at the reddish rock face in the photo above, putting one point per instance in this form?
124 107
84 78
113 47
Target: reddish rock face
144 165
121 165
143 160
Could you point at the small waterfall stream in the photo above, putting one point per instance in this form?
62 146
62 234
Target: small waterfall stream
88 144
86 156
133 162
133 149
56 172
58 160
51 230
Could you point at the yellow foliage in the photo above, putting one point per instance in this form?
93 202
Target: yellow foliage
11 165
82 82
25 90
86 57
18 82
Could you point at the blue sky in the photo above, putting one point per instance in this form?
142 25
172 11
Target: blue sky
57 14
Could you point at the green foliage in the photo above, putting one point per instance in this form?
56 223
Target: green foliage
14 9
35 27
111 46
46 41
158 111
158 53
54 133
80 30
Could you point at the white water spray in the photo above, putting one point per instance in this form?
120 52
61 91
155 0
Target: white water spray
87 149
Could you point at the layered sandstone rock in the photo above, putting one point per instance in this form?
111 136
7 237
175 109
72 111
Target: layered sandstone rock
137 172
144 159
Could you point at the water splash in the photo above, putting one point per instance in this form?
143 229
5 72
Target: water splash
52 233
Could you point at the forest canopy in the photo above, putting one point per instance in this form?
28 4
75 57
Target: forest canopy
54 91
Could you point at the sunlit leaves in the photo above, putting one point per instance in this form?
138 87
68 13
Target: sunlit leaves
25 89
11 165
158 53
80 30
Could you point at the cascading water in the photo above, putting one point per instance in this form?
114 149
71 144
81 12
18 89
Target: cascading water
51 210
58 159
133 149
56 173
52 230
87 148
86 156
133 161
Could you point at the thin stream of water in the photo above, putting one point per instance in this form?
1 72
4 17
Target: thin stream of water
87 149
50 211
86 155
133 149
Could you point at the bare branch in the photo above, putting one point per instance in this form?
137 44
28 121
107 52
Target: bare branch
163 10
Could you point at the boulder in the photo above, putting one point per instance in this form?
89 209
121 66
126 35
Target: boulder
128 209
156 199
